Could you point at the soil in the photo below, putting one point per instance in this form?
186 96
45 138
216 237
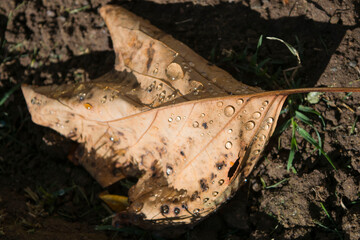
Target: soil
44 196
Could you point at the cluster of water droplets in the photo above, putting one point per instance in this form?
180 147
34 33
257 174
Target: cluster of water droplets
36 101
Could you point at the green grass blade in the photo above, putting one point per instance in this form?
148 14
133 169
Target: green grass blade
311 140
8 94
278 183
290 47
293 145
283 127
311 110
302 117
292 153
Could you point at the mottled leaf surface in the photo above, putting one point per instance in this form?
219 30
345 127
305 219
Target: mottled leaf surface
186 128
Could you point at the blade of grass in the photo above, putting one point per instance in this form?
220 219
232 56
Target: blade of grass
290 47
311 110
293 145
9 93
331 219
311 140
277 184
353 126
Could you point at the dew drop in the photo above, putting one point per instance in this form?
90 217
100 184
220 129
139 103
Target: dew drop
202 134
228 145
162 95
266 127
137 206
36 101
81 96
170 119
239 101
174 71
176 211
164 209
215 194
178 118
159 87
196 211
261 109
103 99
256 115
229 111
88 106
191 64
195 124
206 199
250 125
270 120
203 115
265 103
256 152
262 137
169 170
211 121
219 104
221 182
230 131
151 87
112 139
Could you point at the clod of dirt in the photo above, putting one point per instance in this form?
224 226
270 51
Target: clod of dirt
294 203
351 224
348 186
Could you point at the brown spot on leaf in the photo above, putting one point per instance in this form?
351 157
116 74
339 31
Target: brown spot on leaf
220 165
203 184
150 52
194 196
213 175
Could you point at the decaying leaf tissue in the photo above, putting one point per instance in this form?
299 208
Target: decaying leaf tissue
186 128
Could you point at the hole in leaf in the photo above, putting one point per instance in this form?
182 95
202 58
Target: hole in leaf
233 169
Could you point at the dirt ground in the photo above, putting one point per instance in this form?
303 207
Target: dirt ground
44 196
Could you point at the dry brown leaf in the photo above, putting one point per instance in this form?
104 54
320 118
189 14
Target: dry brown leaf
189 130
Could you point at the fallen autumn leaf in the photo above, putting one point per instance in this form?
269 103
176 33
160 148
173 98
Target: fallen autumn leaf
186 128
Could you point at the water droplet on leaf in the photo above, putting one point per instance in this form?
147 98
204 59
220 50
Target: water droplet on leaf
228 145
88 106
176 211
164 209
229 111
250 125
81 96
239 101
256 115
174 71
137 206
169 170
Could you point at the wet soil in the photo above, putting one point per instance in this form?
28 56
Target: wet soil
44 196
